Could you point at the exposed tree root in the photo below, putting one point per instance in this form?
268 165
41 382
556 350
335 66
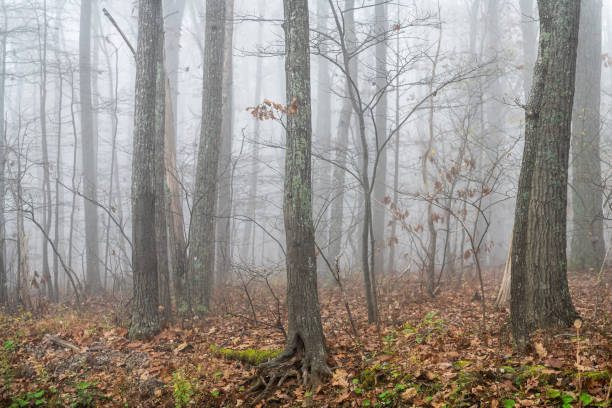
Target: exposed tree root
290 364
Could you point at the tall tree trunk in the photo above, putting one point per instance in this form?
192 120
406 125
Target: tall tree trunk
46 184
161 226
202 235
89 159
249 240
540 296
430 267
58 200
145 318
393 240
175 10
380 182
336 233
322 136
305 335
3 277
587 244
176 232
224 222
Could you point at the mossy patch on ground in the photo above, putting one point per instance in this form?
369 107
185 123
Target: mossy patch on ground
248 356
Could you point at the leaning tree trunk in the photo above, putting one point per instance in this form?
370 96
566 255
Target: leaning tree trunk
529 30
145 318
587 245
94 284
202 235
305 340
540 296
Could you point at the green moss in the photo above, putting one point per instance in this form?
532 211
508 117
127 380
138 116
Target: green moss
248 356
593 375
461 364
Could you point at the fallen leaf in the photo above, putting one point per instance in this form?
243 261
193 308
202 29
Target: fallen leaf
539 348
409 394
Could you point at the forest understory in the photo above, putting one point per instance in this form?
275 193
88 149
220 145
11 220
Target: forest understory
426 352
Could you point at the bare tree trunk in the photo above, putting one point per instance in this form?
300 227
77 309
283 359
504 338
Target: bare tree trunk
430 270
89 159
58 166
46 183
322 136
305 338
145 318
587 245
380 182
342 140
202 234
224 210
249 240
176 232
74 171
540 296
161 202
396 149
3 277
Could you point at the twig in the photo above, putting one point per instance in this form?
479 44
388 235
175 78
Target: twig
62 343
114 23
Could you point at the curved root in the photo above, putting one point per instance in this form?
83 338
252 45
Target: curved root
273 374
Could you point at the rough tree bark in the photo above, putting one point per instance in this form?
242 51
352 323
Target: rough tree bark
305 340
93 284
161 201
587 245
202 235
145 318
540 295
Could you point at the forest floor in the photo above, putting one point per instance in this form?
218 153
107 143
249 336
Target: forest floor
426 352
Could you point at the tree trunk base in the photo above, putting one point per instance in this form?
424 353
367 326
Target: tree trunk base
291 363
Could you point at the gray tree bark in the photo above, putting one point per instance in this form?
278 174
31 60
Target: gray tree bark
224 221
249 240
89 159
540 296
587 245
322 136
161 196
202 235
342 138
3 277
175 10
380 182
145 318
